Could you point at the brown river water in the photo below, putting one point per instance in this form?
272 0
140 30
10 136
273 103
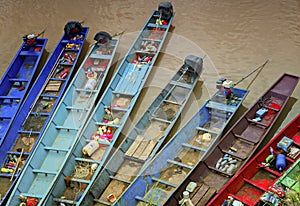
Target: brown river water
236 37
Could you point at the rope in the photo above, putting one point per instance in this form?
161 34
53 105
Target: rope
81 171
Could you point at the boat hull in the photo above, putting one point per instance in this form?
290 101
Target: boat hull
16 82
239 143
38 111
166 170
110 113
255 178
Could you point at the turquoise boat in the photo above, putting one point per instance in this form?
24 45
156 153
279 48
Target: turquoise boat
151 130
63 131
17 80
189 145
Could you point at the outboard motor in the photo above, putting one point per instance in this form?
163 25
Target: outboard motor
102 37
195 63
72 28
166 10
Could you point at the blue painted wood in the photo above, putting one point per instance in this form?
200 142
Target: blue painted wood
19 73
160 173
78 99
33 116
155 109
120 105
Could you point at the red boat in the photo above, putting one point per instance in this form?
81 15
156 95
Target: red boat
259 175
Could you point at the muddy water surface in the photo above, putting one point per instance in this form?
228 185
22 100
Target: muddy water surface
235 36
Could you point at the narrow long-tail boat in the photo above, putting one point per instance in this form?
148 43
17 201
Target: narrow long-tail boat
236 146
64 128
17 80
188 146
36 113
264 169
146 137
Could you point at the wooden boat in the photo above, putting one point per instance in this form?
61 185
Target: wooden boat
62 132
189 145
17 80
150 132
261 172
36 112
237 145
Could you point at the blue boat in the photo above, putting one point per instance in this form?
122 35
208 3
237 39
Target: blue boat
59 137
188 146
151 130
38 108
17 80
235 147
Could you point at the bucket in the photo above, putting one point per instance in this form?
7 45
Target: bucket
280 162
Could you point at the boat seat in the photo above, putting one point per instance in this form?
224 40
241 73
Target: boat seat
31 195
184 85
10 98
161 120
56 149
71 202
85 90
49 96
46 172
100 56
66 128
17 153
28 132
105 124
172 102
147 39
119 109
139 198
157 26
81 180
57 79
179 164
193 147
39 113
257 123
18 80
78 41
163 182
4 117
219 106
119 179
29 53
87 160
207 130
76 108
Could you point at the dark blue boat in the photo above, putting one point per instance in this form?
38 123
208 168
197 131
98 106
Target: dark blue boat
75 110
151 130
38 108
181 154
17 79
